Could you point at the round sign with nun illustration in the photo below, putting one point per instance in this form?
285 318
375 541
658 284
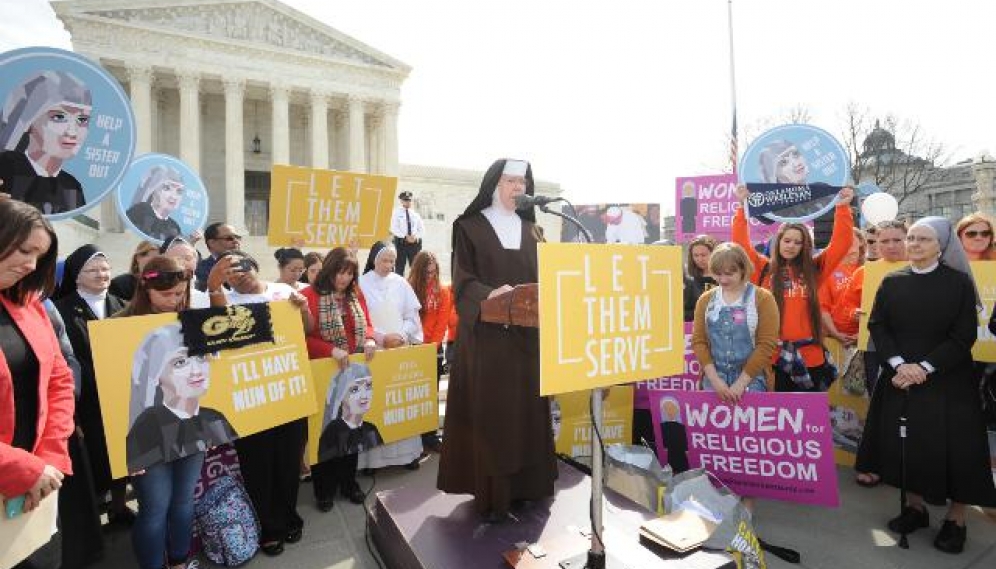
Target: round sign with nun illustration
67 132
161 197
793 173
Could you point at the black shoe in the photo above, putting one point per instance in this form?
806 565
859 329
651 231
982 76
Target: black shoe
910 520
368 472
951 538
415 464
295 535
273 549
354 494
324 505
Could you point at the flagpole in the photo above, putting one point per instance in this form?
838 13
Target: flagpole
734 143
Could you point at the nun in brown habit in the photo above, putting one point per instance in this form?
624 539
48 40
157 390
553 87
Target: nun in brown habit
498 440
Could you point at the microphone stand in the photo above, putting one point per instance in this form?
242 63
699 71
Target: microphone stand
596 557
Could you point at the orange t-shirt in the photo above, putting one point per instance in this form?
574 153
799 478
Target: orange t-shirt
835 302
435 322
796 324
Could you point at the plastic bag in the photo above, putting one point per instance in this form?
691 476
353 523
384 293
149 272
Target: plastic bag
694 491
634 472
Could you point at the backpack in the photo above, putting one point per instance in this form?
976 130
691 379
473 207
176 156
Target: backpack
226 523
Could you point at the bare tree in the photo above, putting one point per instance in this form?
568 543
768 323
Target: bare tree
894 154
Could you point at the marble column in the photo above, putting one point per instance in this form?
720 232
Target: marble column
340 152
389 128
190 119
319 129
235 193
140 90
374 144
357 133
279 98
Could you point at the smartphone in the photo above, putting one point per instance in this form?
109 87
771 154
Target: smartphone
14 507
243 265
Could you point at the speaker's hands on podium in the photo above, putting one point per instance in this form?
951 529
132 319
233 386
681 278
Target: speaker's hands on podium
499 291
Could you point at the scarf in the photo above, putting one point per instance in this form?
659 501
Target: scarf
330 324
790 361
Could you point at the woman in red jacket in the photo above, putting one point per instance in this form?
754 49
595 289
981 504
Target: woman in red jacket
340 326
36 385
794 274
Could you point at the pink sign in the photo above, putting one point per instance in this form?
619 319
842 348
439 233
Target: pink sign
705 205
772 445
687 381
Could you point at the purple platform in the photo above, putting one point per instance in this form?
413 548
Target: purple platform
423 528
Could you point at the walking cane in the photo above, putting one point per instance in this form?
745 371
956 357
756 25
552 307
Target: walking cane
903 542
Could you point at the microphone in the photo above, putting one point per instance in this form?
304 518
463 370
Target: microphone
526 201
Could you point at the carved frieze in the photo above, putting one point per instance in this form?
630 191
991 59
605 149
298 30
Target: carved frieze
245 21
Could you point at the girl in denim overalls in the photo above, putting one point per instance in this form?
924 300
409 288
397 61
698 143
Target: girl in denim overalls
735 328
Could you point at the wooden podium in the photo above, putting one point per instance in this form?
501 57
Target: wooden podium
517 307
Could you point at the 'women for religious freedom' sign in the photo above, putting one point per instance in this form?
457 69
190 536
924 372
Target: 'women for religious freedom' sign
772 445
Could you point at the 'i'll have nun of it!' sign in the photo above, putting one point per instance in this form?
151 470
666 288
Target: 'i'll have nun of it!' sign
609 314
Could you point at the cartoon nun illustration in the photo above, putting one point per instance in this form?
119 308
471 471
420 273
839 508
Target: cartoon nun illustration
348 398
165 419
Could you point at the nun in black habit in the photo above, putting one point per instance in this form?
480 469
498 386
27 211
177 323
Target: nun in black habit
498 442
924 323
83 296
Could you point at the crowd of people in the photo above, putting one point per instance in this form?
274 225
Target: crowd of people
52 429
760 321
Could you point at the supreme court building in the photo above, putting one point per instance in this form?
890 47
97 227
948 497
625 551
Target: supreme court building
232 87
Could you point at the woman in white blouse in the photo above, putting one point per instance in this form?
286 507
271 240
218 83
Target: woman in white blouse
393 309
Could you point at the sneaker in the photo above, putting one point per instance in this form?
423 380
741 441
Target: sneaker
951 538
910 520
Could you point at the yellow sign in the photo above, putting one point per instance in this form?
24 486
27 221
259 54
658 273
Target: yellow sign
609 314
403 399
571 415
874 274
147 383
326 208
848 408
984 273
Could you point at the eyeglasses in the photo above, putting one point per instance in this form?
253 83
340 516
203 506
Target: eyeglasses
921 239
972 234
162 280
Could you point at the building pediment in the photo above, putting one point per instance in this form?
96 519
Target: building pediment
266 24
